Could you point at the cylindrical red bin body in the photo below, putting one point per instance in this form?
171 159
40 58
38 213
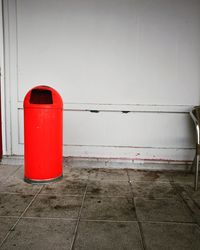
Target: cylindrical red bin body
43 135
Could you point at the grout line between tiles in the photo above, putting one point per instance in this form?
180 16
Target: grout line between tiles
139 224
197 205
169 222
128 176
189 195
182 198
78 220
106 196
190 203
198 224
151 181
16 170
19 218
108 180
49 218
145 221
141 234
17 193
61 195
156 198
171 179
9 216
12 173
109 221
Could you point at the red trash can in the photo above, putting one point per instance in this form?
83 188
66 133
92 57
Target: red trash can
43 135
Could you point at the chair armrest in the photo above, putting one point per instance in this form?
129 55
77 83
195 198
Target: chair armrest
197 127
194 118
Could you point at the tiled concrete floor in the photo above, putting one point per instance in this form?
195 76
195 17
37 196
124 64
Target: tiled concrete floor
97 209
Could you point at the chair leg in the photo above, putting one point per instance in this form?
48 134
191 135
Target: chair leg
196 173
193 166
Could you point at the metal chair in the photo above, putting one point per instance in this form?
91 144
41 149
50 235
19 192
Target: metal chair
195 114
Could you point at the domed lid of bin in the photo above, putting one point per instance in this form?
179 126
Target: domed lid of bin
43 97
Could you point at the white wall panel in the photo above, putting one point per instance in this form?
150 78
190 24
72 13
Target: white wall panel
111 51
108 55
132 135
159 130
132 129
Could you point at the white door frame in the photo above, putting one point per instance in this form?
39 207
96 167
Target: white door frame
2 80
9 76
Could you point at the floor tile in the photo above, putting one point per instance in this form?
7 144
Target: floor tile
191 198
108 217
154 176
183 177
171 236
40 234
108 208
109 188
162 210
65 187
52 206
6 171
150 189
189 189
198 202
109 236
13 204
80 173
16 185
76 173
5 225
93 174
19 173
112 175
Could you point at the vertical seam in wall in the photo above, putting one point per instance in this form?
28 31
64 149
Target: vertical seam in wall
9 83
5 59
17 70
8 74
16 37
10 65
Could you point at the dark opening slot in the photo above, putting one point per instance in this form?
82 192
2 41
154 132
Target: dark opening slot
94 111
125 112
41 96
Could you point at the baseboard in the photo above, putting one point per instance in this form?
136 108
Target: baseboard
84 162
114 163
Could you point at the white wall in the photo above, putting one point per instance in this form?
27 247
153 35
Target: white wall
141 56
